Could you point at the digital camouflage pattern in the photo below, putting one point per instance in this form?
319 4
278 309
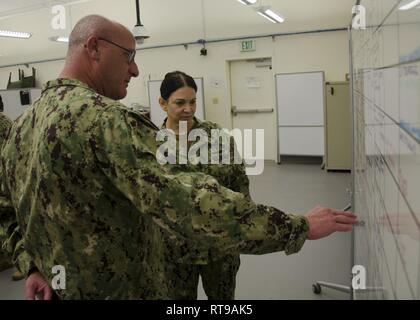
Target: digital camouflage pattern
218 277
5 124
80 169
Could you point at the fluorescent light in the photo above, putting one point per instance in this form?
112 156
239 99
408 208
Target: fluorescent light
62 39
274 16
410 5
265 16
59 39
15 34
248 2
269 14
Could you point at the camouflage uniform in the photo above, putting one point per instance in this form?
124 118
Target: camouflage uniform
5 124
218 277
80 169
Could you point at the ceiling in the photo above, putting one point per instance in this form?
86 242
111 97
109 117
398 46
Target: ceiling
13 5
168 21
11 8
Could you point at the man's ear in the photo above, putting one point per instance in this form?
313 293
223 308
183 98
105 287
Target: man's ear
163 104
91 47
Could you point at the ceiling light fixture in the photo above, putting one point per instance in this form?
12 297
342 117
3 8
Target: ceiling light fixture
410 5
248 2
269 14
139 31
15 34
59 39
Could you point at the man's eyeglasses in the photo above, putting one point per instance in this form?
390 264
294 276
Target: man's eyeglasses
131 53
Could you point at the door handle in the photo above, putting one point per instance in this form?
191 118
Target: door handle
234 110
332 91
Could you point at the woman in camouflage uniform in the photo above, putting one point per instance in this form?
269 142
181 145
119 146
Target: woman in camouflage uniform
178 100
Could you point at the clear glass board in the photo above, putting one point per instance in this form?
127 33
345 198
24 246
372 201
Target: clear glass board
386 114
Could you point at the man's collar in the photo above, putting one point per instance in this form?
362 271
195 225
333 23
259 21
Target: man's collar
65 82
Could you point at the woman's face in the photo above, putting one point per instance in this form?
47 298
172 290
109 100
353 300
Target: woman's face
181 104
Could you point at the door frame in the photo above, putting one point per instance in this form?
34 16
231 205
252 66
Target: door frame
229 87
228 77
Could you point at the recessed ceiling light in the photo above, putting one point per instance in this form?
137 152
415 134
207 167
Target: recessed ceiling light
59 39
247 2
15 34
269 14
410 5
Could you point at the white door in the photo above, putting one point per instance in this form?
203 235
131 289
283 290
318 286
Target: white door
252 88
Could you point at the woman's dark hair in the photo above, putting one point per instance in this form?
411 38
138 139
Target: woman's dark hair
175 80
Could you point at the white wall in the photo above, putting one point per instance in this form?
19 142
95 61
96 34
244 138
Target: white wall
310 52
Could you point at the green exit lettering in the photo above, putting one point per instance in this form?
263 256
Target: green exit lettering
248 45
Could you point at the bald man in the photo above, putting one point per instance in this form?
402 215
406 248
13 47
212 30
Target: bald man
92 202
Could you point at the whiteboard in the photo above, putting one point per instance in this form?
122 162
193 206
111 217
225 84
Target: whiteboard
157 115
311 137
300 113
386 173
300 99
11 101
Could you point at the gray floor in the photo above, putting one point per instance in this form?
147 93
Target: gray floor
11 290
292 188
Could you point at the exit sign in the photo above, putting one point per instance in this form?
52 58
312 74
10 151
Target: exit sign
248 45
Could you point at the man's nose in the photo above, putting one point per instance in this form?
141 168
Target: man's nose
134 69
